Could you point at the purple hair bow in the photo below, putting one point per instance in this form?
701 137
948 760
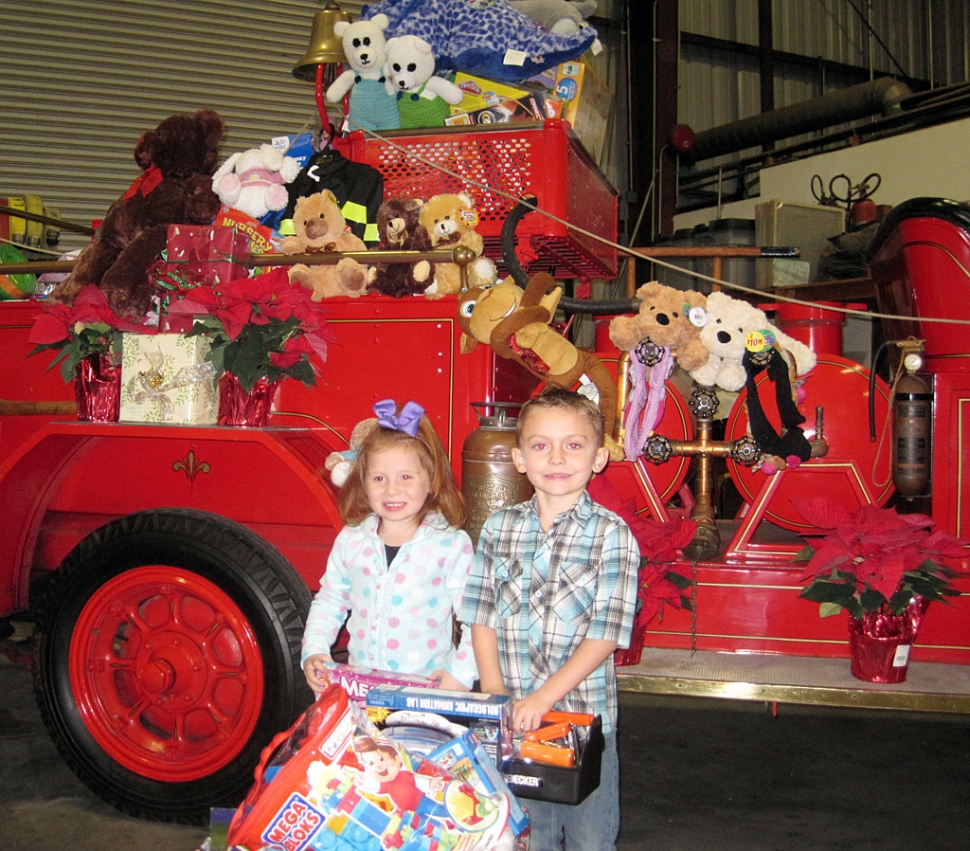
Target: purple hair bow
407 421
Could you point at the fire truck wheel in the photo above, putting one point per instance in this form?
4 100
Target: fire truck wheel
168 658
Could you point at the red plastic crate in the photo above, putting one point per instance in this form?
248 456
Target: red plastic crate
496 165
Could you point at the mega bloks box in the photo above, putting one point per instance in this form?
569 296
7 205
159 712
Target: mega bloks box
449 712
334 782
358 681
167 378
544 781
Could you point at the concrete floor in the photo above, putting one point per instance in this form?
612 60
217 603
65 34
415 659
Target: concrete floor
697 774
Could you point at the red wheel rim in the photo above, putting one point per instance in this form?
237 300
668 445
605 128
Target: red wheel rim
166 673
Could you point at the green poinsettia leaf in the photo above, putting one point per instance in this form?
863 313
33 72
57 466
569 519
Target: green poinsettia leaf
303 371
678 579
871 600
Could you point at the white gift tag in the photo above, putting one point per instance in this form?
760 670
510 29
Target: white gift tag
901 657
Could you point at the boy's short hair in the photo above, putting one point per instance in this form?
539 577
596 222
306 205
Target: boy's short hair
558 398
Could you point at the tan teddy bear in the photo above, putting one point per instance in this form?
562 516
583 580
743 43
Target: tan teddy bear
320 226
451 220
665 319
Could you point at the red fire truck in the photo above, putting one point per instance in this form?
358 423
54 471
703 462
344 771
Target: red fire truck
169 567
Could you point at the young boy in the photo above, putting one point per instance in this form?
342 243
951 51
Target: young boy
551 596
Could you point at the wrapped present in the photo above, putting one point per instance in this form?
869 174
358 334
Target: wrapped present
216 252
167 378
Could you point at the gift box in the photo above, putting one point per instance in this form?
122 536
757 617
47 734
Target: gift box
167 378
215 252
357 681
543 781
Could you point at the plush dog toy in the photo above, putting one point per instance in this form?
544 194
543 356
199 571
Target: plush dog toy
422 98
560 17
666 328
320 226
372 106
177 160
515 324
254 181
400 230
727 325
451 219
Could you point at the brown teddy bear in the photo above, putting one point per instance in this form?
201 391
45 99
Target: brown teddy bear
177 159
451 220
321 227
665 319
400 230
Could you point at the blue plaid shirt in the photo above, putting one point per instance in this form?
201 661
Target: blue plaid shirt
545 592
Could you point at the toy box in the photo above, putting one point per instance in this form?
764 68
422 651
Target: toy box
480 93
450 713
333 782
214 252
542 781
357 681
167 378
465 758
527 108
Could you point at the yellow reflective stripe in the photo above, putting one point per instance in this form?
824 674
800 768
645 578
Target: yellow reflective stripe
355 212
371 234
286 228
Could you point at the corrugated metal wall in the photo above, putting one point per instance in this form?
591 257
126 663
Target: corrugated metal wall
82 79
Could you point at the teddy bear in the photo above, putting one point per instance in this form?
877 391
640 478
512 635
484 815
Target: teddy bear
727 326
666 329
340 464
451 219
177 160
254 181
422 98
319 226
372 105
668 317
400 230
515 323
561 17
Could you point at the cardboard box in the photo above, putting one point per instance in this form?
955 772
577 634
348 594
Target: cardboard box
166 378
542 782
213 252
465 758
357 681
527 108
480 93
806 227
487 715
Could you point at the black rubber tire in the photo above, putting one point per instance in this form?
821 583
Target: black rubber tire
272 598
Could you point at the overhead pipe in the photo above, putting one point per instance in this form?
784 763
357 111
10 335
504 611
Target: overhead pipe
876 97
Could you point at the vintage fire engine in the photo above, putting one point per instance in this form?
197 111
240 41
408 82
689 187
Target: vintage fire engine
169 567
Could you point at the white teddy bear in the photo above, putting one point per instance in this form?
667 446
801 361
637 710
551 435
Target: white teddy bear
254 181
727 325
422 98
372 104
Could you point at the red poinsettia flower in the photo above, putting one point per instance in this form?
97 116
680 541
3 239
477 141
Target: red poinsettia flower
873 557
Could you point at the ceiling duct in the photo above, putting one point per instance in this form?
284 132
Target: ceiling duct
876 97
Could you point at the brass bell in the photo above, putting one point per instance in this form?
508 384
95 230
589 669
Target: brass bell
325 48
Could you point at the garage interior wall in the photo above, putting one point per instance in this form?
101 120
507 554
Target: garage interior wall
82 80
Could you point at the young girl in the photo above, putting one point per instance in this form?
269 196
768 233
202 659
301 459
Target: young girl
399 565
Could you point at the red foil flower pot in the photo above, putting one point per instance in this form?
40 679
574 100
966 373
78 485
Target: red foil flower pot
97 387
237 407
880 643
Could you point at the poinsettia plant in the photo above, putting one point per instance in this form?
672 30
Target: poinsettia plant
875 559
87 326
262 327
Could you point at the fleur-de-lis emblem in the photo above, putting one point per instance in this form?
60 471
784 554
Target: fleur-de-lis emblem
191 466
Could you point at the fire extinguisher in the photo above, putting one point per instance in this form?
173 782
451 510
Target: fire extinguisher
911 411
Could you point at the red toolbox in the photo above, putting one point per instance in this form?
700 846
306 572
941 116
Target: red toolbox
497 165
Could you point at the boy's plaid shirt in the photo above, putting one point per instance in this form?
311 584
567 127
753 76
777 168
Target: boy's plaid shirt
544 593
